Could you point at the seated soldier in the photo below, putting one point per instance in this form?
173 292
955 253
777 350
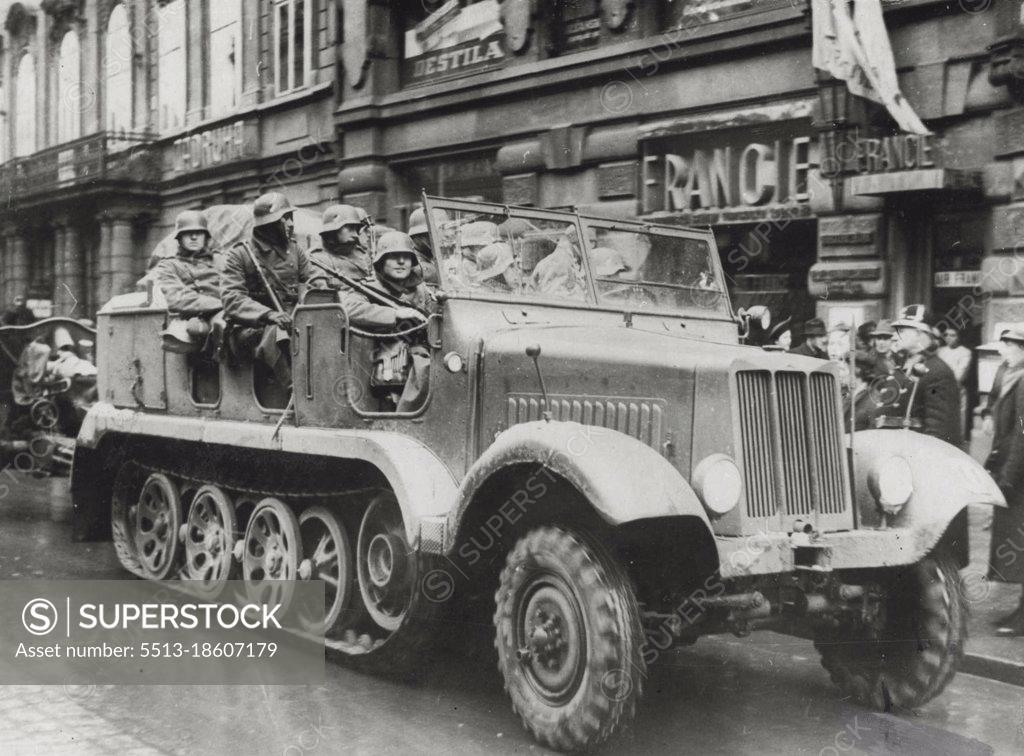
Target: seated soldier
342 251
498 269
191 285
462 267
561 272
262 282
420 235
401 364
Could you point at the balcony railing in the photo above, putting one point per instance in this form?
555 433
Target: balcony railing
101 156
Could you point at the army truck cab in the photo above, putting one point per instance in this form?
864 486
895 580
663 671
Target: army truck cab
595 452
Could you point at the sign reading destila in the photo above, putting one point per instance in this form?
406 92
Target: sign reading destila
216 146
454 41
730 176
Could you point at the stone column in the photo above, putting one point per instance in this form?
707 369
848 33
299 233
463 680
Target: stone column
61 300
5 276
18 262
74 272
104 271
122 262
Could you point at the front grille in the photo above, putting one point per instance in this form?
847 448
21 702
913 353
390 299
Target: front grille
792 451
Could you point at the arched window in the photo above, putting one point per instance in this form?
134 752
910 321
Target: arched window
118 65
25 107
69 89
172 65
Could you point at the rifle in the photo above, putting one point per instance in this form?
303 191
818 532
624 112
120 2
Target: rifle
378 297
282 335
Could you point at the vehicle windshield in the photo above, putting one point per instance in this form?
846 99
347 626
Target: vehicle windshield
519 254
644 269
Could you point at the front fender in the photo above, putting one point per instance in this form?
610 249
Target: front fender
622 478
945 480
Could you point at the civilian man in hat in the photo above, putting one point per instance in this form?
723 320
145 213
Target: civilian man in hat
341 248
1006 463
815 340
190 282
935 408
283 265
19 314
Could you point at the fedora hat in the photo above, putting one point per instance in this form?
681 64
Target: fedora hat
815 327
1014 333
915 316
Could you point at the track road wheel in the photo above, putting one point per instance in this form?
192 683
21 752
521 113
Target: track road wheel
569 639
210 533
270 553
910 645
387 565
327 555
157 521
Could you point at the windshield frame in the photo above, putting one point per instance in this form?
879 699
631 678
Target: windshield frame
581 222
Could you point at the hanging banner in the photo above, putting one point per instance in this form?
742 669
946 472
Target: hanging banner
856 50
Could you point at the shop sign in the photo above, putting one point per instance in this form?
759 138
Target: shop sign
581 26
454 41
828 275
957 279
728 178
850 155
709 11
216 146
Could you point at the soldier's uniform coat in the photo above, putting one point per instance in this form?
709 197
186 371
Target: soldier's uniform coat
246 300
355 266
1006 463
190 283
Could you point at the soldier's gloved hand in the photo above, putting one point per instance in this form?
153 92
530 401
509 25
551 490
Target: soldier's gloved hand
281 319
408 313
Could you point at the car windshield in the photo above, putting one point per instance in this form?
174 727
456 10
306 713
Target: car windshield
644 269
538 254
518 254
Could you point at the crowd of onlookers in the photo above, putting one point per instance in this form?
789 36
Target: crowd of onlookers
912 373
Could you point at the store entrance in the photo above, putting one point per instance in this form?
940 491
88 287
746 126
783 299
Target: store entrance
768 265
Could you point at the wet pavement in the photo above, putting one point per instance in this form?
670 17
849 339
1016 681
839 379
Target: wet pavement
763 694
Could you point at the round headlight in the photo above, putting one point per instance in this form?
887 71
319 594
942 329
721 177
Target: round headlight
718 482
892 484
453 361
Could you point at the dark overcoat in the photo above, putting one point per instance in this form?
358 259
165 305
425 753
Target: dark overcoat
1006 463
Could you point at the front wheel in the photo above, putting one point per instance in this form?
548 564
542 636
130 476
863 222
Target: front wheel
568 636
907 647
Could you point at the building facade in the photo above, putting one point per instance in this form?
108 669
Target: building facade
119 114
711 113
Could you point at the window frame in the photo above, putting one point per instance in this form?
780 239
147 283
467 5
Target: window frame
307 32
19 109
162 53
238 52
69 120
130 78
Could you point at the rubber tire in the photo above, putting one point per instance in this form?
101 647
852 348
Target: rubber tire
928 624
612 682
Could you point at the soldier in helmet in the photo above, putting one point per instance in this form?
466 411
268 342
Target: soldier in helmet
190 283
420 235
285 268
342 250
401 364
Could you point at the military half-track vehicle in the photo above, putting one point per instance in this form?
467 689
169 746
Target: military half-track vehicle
597 454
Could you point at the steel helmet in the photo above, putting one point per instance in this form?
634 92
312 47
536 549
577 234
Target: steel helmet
270 208
338 216
190 220
418 220
479 234
393 243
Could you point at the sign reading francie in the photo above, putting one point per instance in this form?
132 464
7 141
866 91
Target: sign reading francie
725 179
216 146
